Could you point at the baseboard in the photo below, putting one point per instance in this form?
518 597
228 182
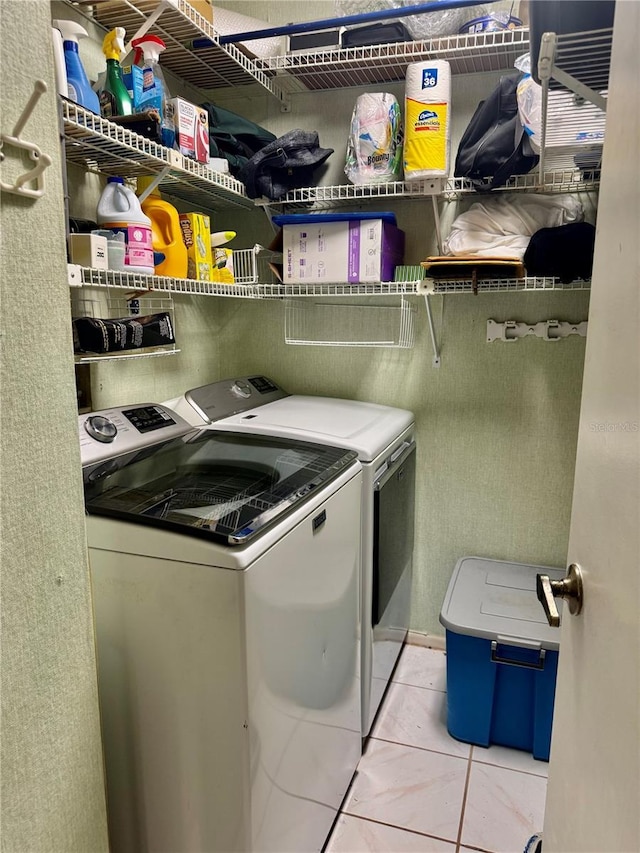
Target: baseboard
429 641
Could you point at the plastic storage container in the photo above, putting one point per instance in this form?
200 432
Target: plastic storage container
502 656
119 210
490 24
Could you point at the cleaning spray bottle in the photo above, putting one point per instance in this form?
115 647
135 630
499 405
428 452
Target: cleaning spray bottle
150 90
166 233
114 97
78 86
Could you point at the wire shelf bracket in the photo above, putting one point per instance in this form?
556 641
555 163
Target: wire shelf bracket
436 349
548 68
550 330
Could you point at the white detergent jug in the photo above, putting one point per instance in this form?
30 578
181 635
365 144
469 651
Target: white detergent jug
119 210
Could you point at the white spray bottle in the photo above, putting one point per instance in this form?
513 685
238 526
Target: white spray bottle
61 69
78 86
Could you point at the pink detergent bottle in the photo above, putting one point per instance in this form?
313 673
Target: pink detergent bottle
119 210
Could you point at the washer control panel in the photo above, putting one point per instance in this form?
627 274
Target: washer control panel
230 396
111 432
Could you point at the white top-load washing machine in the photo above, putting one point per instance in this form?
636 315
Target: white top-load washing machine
225 575
383 438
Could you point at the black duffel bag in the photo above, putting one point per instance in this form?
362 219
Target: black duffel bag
495 145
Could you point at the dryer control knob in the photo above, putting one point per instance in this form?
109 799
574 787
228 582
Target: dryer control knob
241 389
102 429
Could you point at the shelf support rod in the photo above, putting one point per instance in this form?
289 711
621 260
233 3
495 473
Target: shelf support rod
268 213
570 82
436 219
154 183
144 28
432 331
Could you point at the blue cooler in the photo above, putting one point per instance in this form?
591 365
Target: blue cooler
502 655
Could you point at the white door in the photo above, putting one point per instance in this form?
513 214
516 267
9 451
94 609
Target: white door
593 798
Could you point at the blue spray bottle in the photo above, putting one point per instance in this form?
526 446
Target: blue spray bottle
149 86
78 84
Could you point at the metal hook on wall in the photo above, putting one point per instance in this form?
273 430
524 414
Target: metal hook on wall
41 160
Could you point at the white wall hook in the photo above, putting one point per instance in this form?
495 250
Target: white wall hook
548 330
41 160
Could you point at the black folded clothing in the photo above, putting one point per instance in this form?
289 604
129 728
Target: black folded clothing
387 32
91 334
565 252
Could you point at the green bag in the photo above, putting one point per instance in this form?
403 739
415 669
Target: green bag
234 137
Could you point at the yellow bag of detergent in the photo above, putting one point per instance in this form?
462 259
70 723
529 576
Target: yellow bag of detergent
427 140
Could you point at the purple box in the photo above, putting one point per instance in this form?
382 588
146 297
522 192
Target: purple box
355 251
376 248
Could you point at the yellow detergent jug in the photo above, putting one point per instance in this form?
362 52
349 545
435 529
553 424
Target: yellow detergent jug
166 233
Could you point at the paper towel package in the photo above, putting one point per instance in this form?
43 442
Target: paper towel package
374 148
427 139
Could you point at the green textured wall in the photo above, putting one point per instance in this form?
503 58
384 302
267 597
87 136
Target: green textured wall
51 764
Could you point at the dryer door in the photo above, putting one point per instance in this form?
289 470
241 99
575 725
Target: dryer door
394 506
394 501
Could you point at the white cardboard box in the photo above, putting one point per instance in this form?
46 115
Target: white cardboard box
89 250
192 129
365 250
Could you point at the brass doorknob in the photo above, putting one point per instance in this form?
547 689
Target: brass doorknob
569 589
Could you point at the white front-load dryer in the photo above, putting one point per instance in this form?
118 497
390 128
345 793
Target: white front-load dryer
225 577
383 438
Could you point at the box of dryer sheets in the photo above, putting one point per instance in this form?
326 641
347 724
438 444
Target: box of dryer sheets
196 233
502 656
192 129
343 248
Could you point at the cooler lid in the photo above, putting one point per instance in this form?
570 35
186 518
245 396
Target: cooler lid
495 598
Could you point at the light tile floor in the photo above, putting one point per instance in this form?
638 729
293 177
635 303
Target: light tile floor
418 790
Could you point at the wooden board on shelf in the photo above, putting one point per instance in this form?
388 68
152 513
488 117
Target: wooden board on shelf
469 267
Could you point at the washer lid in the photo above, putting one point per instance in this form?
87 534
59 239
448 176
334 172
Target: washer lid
495 599
367 428
222 486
